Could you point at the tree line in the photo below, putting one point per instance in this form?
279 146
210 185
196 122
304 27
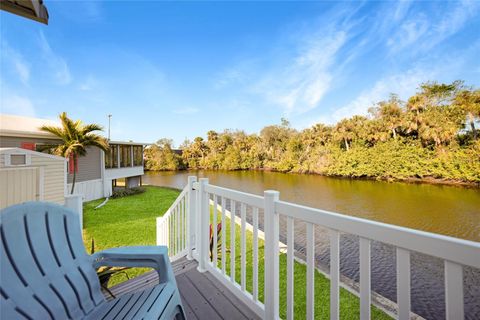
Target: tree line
432 134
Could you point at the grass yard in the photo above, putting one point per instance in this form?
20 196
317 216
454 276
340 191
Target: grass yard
127 221
131 221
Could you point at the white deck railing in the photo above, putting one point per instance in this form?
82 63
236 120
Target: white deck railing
201 204
172 227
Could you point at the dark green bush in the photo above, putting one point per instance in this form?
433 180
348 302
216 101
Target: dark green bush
124 192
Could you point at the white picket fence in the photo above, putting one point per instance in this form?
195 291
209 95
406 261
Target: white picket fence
201 204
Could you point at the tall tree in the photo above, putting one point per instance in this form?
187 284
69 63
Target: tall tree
469 103
431 95
160 156
440 126
76 138
390 113
275 139
347 130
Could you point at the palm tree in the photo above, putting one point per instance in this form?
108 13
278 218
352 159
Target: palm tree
76 137
469 102
347 130
390 113
343 132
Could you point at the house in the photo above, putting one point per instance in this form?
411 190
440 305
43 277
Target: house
96 173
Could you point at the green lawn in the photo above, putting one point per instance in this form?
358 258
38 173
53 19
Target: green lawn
131 221
126 221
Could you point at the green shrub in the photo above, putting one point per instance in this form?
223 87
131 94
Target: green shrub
124 192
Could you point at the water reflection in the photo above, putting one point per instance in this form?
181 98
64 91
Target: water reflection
446 210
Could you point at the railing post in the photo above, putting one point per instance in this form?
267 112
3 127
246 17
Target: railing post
204 217
271 255
191 217
159 231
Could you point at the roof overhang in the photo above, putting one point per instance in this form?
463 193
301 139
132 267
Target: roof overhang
131 143
27 134
25 151
30 9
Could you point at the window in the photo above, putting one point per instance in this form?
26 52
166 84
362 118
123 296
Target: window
138 155
111 157
18 159
125 156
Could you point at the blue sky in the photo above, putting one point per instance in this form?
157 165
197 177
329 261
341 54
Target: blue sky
179 69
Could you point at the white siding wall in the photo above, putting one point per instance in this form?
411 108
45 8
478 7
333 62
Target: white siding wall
123 172
90 190
53 178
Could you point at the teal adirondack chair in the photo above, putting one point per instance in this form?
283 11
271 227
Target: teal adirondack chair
47 274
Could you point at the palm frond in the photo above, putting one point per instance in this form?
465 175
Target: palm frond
69 126
75 136
77 148
50 148
55 131
97 141
86 129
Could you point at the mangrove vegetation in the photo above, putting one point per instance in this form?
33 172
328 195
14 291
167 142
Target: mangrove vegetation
432 135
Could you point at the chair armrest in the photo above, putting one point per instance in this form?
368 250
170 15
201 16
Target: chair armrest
155 257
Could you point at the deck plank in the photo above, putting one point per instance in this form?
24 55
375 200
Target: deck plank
215 297
188 309
203 296
201 307
248 313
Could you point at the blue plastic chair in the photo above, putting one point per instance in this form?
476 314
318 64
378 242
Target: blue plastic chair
47 274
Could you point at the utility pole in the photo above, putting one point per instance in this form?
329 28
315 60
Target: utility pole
109 117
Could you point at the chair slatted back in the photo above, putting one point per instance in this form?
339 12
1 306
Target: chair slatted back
45 271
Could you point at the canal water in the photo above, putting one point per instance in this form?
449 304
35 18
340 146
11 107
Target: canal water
447 210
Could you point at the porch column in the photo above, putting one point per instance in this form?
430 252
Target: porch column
271 255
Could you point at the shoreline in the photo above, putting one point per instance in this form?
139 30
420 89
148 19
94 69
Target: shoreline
410 180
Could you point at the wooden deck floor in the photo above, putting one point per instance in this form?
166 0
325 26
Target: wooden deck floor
203 296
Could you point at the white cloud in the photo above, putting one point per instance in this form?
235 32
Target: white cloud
453 21
403 84
305 78
303 63
409 33
57 64
16 61
425 30
186 111
89 84
401 10
16 104
229 76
